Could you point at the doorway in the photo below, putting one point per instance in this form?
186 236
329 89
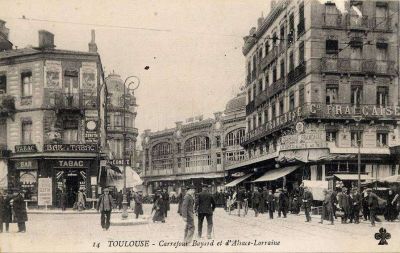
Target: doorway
71 188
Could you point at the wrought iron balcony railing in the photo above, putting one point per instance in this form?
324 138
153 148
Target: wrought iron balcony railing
357 66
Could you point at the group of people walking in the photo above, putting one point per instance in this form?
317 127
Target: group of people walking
13 210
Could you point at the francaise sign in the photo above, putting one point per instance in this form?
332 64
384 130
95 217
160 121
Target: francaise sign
347 110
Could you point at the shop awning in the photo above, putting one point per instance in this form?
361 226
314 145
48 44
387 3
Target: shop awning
238 180
352 177
116 179
391 179
277 173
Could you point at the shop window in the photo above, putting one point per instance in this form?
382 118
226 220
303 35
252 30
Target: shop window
3 84
26 137
356 95
356 138
382 96
331 95
26 87
381 139
332 46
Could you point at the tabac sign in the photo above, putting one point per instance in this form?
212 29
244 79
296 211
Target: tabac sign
349 111
85 148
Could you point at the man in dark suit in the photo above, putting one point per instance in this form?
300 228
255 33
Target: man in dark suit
188 214
373 205
271 204
355 205
105 206
307 201
205 205
256 200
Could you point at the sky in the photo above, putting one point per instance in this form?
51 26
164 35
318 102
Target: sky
193 48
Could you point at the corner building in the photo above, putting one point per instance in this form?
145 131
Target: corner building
192 152
51 119
320 83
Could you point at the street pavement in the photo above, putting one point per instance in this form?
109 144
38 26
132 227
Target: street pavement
83 233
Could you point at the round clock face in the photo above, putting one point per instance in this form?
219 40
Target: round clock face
300 127
91 125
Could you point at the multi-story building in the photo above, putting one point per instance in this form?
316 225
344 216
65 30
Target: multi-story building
193 152
115 124
52 105
322 84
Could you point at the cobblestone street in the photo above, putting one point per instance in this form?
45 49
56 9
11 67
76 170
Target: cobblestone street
82 232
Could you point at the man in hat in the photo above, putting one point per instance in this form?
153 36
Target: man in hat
188 213
373 205
105 206
307 202
327 207
271 204
138 199
283 203
19 208
240 198
355 206
180 199
205 206
256 198
263 200
165 197
344 204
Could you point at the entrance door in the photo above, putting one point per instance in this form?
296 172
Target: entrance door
72 188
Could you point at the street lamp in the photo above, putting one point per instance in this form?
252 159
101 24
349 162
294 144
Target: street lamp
131 83
357 119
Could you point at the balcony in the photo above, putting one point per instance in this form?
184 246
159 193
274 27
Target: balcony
276 87
332 21
160 172
277 123
348 111
357 66
196 169
355 22
261 98
269 58
68 102
296 75
7 105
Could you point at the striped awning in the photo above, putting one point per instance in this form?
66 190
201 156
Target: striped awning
277 173
238 180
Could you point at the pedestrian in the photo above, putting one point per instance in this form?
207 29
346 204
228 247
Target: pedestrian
391 206
373 205
7 211
138 199
240 199
63 200
396 203
271 204
180 200
19 210
283 203
263 200
365 208
105 205
205 206
120 197
344 205
307 202
165 197
188 213
2 208
355 203
256 199
333 194
327 207
81 200
158 207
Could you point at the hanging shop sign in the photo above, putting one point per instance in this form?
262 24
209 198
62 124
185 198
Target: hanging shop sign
30 148
91 134
117 162
26 165
85 148
315 139
45 195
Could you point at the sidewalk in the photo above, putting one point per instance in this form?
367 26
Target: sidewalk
69 211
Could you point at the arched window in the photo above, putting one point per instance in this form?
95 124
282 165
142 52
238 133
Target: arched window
235 137
197 143
161 149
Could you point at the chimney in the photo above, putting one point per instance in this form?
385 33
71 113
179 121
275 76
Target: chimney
273 4
92 44
178 124
46 40
260 20
3 29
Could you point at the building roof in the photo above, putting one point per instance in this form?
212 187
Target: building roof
236 104
31 51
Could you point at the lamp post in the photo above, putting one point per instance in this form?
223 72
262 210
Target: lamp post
357 119
223 149
131 83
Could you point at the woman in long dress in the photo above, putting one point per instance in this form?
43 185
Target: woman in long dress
158 207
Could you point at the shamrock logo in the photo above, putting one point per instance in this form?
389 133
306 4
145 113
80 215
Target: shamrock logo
382 236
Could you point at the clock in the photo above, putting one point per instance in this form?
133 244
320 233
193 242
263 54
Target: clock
300 127
91 125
